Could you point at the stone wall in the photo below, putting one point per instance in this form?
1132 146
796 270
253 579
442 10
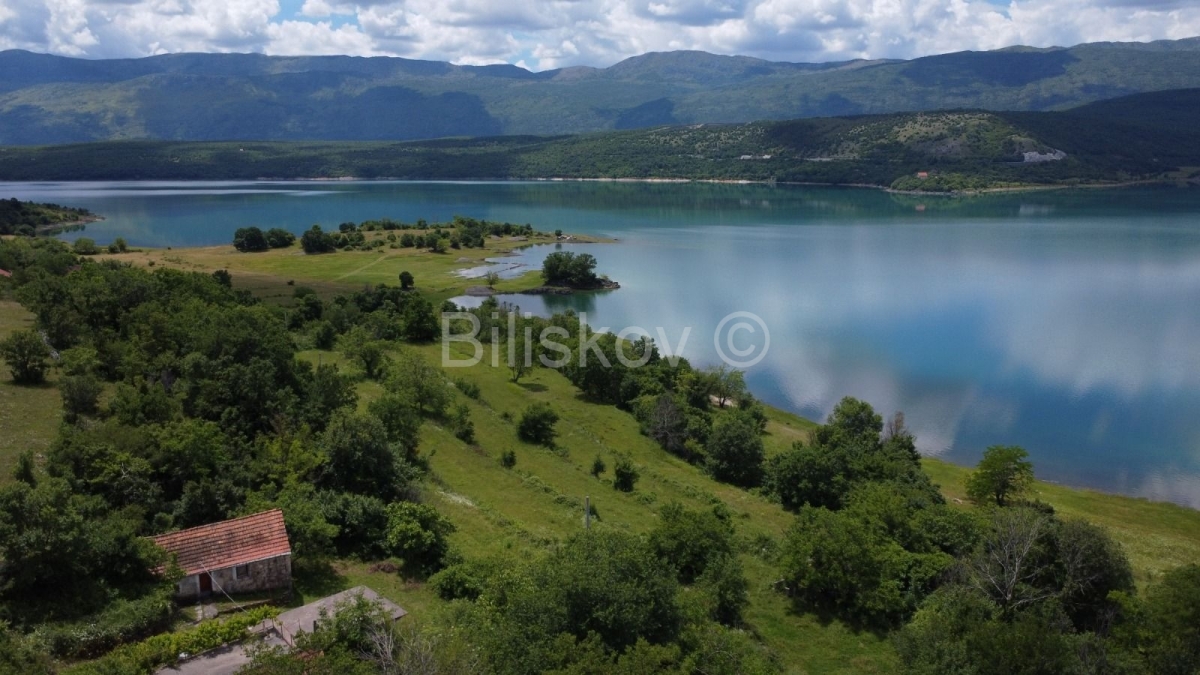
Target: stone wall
263 575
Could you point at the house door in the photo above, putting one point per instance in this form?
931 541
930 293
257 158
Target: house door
205 583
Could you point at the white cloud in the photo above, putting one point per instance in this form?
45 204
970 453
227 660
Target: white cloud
553 33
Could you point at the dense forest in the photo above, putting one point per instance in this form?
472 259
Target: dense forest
186 402
1135 138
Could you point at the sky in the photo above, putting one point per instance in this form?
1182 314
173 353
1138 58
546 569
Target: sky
545 34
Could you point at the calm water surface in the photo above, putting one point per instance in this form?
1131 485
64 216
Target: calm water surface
1064 322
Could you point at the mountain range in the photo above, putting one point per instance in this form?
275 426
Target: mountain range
47 99
1133 138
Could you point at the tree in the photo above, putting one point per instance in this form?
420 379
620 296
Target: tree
832 560
406 280
417 534
316 240
1003 474
25 353
491 278
575 270
80 396
735 450
1172 615
358 456
728 384
424 384
360 346
401 417
278 237
726 588
519 357
537 424
689 540
1012 562
668 425
250 240
808 475
601 585
464 428
625 475
85 246
327 392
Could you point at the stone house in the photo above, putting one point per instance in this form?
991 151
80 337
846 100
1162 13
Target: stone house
243 555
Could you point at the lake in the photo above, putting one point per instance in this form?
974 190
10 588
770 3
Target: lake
1065 322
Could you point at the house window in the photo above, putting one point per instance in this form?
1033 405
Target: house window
241 571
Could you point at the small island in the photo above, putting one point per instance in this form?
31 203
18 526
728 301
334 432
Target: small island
565 272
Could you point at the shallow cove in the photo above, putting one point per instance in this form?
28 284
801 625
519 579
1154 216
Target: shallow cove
1062 321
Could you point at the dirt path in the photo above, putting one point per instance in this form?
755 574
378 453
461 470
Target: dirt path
381 258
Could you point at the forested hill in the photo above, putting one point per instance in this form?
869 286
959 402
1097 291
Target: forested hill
1134 138
49 99
27 218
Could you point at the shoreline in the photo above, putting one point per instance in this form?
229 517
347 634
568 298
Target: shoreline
1030 187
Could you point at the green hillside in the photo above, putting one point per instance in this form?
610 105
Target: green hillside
207 97
497 511
1139 137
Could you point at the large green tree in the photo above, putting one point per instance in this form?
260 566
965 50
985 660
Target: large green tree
1003 474
735 450
27 356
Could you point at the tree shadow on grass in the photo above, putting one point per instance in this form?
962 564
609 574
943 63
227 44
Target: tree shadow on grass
532 387
827 616
315 579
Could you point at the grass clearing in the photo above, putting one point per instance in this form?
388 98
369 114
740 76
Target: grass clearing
273 275
29 416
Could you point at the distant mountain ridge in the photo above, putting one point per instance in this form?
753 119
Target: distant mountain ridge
47 99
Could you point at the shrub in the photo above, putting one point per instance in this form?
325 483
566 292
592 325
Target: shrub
508 459
85 246
278 237
625 475
121 622
464 429
250 240
537 425
468 388
26 355
159 650
316 241
462 581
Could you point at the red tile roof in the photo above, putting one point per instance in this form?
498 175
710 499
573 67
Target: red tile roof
228 543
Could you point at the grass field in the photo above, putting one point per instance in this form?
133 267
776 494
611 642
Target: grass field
540 500
29 416
266 273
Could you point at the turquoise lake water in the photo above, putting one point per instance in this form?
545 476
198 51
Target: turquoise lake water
1065 322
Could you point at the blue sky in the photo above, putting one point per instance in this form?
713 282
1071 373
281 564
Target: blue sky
541 34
